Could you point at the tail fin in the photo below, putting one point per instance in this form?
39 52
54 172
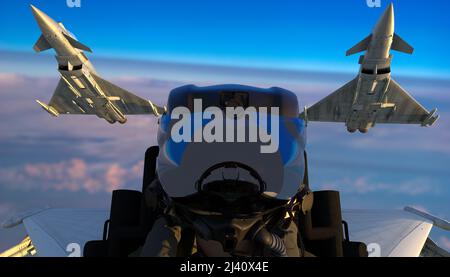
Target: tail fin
42 44
75 43
400 45
361 46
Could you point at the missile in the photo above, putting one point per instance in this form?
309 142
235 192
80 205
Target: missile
48 109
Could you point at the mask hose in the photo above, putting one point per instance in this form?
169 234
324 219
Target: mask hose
272 242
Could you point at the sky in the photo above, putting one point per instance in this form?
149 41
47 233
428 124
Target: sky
151 47
296 34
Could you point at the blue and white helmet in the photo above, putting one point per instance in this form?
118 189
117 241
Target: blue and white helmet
231 132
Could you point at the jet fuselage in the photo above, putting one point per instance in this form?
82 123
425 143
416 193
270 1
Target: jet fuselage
374 76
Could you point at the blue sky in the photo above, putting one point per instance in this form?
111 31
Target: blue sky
293 34
150 47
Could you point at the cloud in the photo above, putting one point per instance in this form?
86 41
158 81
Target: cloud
36 142
78 170
445 243
11 79
99 156
364 185
138 169
71 175
407 137
115 176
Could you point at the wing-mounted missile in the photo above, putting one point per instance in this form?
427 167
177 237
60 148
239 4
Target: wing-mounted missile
48 109
431 118
373 96
438 222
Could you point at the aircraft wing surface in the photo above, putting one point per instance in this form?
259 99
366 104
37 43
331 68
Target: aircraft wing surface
63 100
388 233
128 102
408 110
59 232
66 100
337 107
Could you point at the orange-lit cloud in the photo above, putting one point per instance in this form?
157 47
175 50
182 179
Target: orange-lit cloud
71 175
115 176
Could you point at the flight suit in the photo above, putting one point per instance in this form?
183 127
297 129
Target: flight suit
164 238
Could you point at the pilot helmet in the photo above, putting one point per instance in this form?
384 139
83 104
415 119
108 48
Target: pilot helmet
232 141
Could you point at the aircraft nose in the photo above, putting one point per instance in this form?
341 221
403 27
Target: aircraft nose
43 20
385 25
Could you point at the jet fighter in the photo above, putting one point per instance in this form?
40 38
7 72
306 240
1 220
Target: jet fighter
230 199
81 90
373 96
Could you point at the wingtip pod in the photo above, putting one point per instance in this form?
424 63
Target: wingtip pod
304 115
48 108
431 119
156 110
18 219
438 222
